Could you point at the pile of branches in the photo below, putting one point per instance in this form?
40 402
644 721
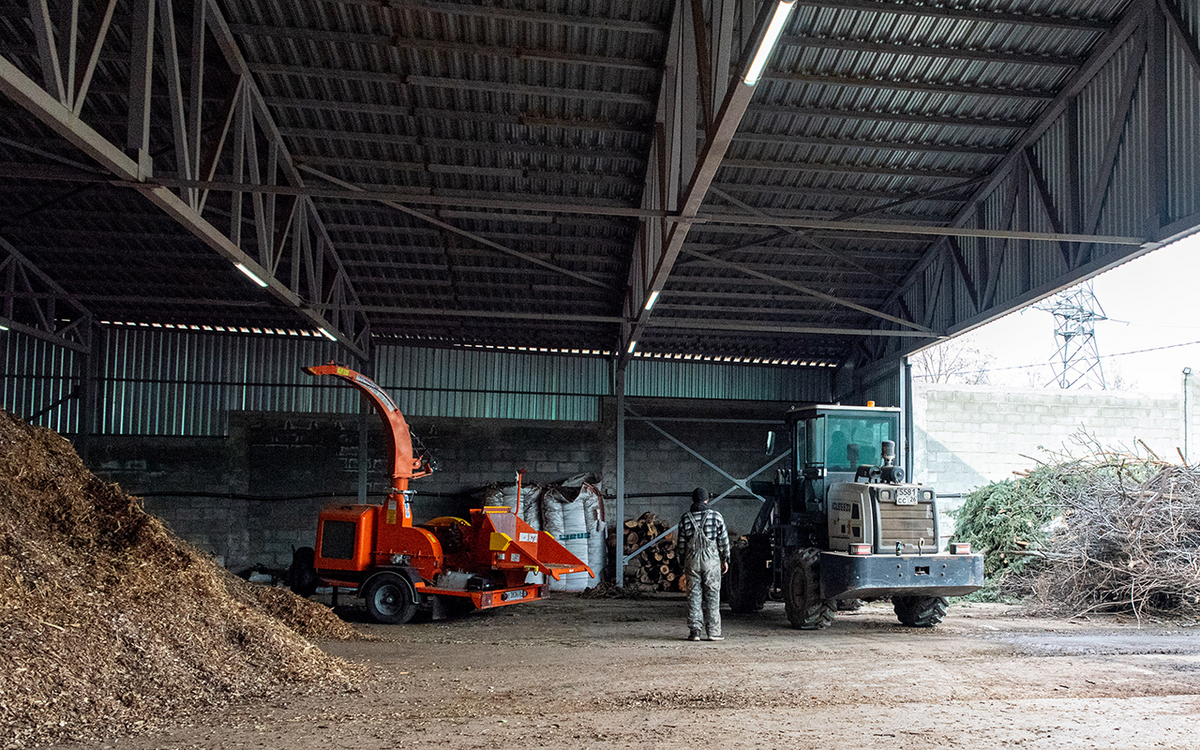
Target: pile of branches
1111 532
1129 540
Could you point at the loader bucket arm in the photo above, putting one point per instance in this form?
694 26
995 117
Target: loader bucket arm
395 429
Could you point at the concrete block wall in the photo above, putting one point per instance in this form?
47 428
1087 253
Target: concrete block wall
967 436
728 440
295 464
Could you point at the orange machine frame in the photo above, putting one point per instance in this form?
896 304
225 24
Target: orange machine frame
498 539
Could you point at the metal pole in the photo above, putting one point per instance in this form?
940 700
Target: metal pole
909 429
1187 374
619 545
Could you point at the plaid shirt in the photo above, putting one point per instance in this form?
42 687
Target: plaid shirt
713 528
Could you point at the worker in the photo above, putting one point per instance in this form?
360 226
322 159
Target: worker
705 551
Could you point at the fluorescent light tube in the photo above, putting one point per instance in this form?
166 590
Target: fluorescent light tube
767 45
327 334
251 274
632 346
653 298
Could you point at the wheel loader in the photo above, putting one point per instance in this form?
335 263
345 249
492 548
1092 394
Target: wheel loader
491 559
841 525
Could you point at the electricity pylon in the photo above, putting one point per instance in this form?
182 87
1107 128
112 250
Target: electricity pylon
1077 361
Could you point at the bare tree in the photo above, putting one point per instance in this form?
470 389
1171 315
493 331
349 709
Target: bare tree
958 360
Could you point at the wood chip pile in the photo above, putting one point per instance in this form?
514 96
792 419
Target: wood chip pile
1128 539
659 567
108 622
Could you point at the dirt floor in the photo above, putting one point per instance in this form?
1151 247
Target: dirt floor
580 673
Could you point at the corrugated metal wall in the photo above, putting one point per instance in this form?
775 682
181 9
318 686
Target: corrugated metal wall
35 375
727 382
492 384
162 382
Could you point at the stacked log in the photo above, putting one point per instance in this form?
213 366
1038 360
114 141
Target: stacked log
658 566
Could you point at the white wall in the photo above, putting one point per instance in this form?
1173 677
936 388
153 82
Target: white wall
966 436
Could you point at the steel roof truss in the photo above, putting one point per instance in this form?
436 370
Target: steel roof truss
58 107
34 304
674 162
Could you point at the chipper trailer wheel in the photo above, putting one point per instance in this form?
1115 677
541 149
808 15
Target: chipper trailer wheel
391 599
747 578
920 611
802 600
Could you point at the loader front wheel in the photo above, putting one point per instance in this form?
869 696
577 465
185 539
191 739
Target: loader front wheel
802 600
920 611
747 579
391 599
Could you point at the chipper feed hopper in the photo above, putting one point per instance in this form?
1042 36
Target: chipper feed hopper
489 560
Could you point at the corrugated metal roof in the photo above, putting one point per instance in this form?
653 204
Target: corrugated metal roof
472 124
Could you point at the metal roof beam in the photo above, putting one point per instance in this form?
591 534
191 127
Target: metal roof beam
944 53
401 42
462 232
441 115
975 15
934 231
807 192
511 14
750 326
860 144
887 84
803 289
34 304
457 169
827 167
496 146
544 317
918 118
397 79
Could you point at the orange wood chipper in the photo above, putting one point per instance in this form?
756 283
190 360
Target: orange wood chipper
490 560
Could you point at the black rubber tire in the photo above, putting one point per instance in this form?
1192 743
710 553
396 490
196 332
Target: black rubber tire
802 601
747 579
302 576
920 611
391 599
849 605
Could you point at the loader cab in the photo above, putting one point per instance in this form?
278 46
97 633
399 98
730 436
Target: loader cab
830 442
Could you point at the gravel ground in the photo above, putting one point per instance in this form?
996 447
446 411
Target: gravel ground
578 673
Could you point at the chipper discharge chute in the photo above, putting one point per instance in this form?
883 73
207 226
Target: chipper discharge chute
489 560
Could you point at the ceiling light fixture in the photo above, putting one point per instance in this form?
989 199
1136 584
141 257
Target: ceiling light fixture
653 298
632 346
767 45
253 277
327 334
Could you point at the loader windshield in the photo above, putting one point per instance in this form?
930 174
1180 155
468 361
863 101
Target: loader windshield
854 439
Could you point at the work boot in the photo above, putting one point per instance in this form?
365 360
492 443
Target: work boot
715 638
693 636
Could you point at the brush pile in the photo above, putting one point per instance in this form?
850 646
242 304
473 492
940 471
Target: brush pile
108 622
1111 532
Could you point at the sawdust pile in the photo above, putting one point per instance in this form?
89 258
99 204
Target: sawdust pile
108 622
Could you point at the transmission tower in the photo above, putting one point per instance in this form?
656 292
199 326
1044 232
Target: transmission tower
1077 361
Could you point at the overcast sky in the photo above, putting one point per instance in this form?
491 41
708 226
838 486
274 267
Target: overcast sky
1152 303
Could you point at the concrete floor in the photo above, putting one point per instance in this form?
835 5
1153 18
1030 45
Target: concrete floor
581 673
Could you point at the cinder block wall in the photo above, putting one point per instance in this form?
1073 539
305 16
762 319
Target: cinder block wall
968 436
295 464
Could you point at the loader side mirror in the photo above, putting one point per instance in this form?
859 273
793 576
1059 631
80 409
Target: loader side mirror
771 442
